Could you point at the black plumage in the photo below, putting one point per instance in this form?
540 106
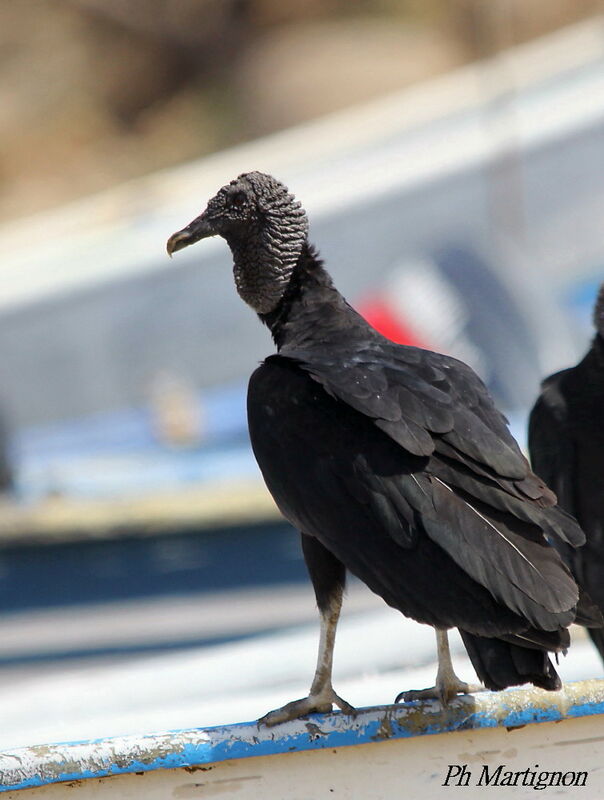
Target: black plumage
566 443
393 463
7 476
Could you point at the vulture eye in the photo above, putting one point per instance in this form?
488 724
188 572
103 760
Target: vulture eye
238 200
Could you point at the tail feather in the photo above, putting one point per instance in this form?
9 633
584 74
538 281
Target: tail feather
500 663
588 613
534 639
597 637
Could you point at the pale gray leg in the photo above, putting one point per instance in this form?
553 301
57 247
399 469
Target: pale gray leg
322 695
448 685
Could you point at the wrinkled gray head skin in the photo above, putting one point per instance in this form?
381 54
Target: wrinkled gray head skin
266 229
599 312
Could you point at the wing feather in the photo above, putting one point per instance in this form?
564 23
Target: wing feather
404 388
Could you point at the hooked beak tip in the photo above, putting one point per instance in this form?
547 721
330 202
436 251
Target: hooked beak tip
200 228
177 241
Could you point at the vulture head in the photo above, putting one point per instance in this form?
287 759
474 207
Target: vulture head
266 229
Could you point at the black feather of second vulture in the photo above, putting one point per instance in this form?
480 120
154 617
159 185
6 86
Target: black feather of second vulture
566 443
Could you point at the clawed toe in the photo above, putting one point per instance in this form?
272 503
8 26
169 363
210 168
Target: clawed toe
444 693
345 707
321 703
417 694
293 710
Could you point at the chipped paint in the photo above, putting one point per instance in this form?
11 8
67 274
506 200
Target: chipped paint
385 730
201 748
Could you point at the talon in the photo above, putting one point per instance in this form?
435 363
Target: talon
293 710
319 703
345 707
443 692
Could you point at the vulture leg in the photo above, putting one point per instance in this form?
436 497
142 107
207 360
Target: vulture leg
448 685
328 577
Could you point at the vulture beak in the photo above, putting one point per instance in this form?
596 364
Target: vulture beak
200 228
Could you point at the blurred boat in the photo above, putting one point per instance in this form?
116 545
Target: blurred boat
476 196
442 204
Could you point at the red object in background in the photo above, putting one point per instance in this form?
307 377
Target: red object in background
377 312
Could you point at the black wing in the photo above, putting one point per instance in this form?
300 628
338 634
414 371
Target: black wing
433 404
567 446
333 453
550 441
412 394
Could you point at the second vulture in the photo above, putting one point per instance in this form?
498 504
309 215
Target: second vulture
566 443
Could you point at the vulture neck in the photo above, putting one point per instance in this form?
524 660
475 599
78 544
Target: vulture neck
311 307
591 367
597 350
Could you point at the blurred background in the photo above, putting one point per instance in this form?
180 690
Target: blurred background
450 156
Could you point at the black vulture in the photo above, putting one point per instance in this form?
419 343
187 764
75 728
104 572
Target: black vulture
393 463
566 444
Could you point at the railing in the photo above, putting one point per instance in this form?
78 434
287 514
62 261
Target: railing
505 739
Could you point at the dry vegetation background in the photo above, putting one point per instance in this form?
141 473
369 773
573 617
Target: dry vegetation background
93 92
